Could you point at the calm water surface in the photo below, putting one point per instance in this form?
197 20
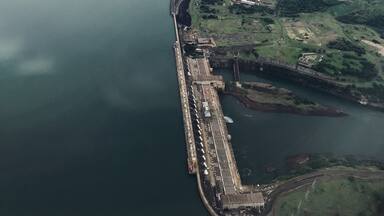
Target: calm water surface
266 139
90 122
89 118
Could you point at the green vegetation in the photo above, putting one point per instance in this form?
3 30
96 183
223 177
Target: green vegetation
346 45
348 64
348 36
376 91
320 161
301 164
370 15
294 7
348 196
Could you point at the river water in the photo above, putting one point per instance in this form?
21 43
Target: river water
267 139
90 122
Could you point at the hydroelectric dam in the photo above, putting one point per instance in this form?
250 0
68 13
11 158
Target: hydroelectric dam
209 150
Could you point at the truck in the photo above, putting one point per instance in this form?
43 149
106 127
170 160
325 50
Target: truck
207 112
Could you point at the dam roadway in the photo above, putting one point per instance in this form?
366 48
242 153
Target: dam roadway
209 151
189 137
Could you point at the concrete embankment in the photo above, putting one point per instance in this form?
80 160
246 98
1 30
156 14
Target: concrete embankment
202 195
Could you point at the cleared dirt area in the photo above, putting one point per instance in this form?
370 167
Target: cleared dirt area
379 47
308 32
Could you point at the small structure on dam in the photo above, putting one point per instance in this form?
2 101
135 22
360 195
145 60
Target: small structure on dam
236 201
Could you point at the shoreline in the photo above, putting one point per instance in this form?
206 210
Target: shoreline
310 79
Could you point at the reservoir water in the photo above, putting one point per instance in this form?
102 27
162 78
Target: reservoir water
90 122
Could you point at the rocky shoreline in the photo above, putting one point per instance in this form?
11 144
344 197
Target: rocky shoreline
315 81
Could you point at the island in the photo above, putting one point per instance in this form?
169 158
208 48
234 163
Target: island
265 97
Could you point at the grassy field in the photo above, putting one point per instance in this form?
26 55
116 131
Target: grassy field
311 27
233 29
349 197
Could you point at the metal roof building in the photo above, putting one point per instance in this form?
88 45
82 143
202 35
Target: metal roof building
235 201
